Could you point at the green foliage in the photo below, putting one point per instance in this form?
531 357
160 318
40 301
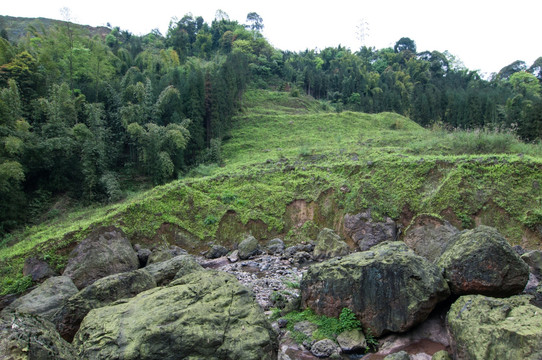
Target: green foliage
348 321
210 220
15 285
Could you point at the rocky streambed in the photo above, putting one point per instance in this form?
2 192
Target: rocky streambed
438 294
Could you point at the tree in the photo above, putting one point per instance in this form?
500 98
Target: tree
255 23
509 70
405 44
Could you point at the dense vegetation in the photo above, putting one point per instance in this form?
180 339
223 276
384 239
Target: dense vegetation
92 117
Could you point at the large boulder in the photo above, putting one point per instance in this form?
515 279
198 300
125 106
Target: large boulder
28 337
165 271
104 252
101 293
480 261
489 328
37 269
47 299
329 244
203 315
367 233
248 247
390 288
429 236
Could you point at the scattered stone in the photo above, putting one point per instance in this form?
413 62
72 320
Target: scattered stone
104 252
101 293
143 256
37 269
166 271
490 328
429 236
275 247
390 288
324 348
234 256
301 258
25 336
352 341
329 244
290 350
290 251
47 299
366 233
480 261
216 252
204 315
282 323
401 355
248 248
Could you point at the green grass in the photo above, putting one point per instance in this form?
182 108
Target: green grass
286 148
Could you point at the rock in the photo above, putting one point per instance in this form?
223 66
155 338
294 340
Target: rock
104 252
101 293
306 328
203 315
352 341
324 348
490 328
248 247
367 233
401 355
480 261
282 323
143 256
37 269
275 247
301 257
441 355
290 350
234 256
389 288
216 251
166 271
29 337
329 244
292 250
429 236
164 253
47 299
534 260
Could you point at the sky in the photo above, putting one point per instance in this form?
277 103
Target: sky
484 35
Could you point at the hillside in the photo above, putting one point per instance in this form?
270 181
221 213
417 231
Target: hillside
291 166
17 27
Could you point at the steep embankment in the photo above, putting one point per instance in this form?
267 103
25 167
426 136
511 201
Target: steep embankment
291 168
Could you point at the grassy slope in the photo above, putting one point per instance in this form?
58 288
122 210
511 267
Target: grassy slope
291 168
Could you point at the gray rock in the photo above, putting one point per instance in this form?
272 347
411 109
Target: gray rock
329 244
352 341
101 293
248 248
429 236
216 252
234 256
143 256
306 328
25 336
275 246
165 253
37 269
168 270
534 260
367 233
203 315
47 299
104 252
480 261
324 348
390 288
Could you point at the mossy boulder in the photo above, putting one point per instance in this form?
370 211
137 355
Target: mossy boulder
429 236
389 288
248 247
329 244
492 328
29 337
104 252
480 261
47 299
202 315
101 293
